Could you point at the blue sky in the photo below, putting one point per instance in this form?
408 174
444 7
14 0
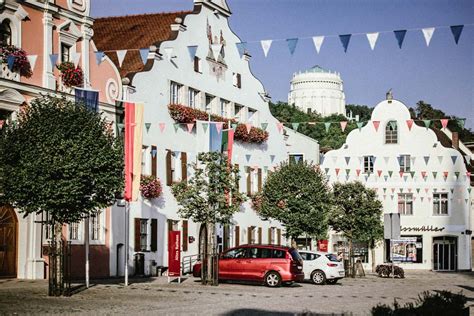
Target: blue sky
441 74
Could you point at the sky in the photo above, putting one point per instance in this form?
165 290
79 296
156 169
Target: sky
441 74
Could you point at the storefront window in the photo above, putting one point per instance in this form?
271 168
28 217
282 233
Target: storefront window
360 249
405 249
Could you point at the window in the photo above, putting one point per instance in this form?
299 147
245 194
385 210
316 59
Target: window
332 257
237 80
250 181
193 98
175 90
65 52
95 223
251 235
224 108
5 33
239 112
74 231
440 203
405 249
197 64
235 253
295 158
143 234
307 256
391 133
369 164
144 160
405 163
209 103
47 225
405 204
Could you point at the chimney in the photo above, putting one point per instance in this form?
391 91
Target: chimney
455 140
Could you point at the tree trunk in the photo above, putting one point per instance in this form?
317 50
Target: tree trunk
210 264
372 251
56 285
351 260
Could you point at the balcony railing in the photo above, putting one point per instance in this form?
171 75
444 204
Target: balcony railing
6 73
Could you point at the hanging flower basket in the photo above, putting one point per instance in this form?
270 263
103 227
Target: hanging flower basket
17 60
71 75
150 187
184 114
256 202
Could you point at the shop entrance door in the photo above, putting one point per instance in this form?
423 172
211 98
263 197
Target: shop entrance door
8 241
445 253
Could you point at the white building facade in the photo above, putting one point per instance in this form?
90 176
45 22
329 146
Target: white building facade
318 90
416 176
222 85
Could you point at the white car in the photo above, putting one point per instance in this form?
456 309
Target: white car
321 267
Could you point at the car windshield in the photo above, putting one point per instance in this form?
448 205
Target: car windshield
295 254
332 257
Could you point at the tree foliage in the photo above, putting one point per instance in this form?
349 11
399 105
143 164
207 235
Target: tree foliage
61 158
205 197
298 196
364 112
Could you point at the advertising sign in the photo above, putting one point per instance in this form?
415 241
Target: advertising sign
174 254
323 245
404 249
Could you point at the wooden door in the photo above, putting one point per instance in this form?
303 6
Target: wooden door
8 241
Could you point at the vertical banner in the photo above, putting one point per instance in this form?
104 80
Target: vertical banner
174 254
90 98
133 149
227 143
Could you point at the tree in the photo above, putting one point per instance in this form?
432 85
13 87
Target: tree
210 196
61 159
364 112
297 195
357 213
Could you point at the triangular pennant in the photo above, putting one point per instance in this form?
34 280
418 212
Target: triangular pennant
218 126
144 54
11 61
456 30
147 126
444 122
176 126
461 122
445 174
422 198
318 42
427 159
392 189
423 174
469 190
234 126
247 157
216 50
98 57
440 159
400 190
434 174
400 173
427 123
409 190
53 58
429 199
272 158
347 177
409 124
400 36
192 49
386 159
418 190
358 172
465 201
32 61
168 53
427 190
326 170
162 126
347 160
384 197
190 127
121 56
348 171
390 173
266 44
392 196
345 39
456 173
405 178
379 172
372 37
248 126
327 125
205 126
241 48
153 153
428 34
376 125
385 178
366 177
264 126
359 125
343 125
295 126
292 44
337 171
176 153
453 159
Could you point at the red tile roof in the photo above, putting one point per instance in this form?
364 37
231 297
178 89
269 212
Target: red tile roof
132 32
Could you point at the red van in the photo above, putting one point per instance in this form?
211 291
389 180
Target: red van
269 264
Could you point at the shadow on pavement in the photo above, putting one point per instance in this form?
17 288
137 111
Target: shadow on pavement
251 311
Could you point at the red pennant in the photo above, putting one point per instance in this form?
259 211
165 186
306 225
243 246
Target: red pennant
444 122
343 125
426 190
358 172
376 125
401 174
337 171
409 124
393 190
468 174
190 127
429 199
162 126
409 190
279 126
445 173
423 174
248 126
379 172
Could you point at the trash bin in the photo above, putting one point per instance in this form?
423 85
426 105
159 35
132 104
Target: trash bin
139 264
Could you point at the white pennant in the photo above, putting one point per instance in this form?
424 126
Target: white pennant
121 56
75 58
266 44
168 53
318 41
32 61
372 37
428 34
216 50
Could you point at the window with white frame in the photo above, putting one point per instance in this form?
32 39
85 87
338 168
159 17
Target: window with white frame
391 133
96 226
369 164
143 234
65 52
5 33
193 98
405 165
209 103
175 90
74 231
144 160
295 158
405 204
239 112
47 226
224 106
440 203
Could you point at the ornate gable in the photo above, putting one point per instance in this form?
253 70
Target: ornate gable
219 5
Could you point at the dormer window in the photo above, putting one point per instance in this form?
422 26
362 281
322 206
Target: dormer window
391 133
5 33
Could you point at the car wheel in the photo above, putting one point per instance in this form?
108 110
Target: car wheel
331 281
318 277
272 279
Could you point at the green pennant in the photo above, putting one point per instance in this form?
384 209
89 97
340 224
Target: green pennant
348 171
264 126
412 173
295 126
147 126
461 122
390 173
435 174
360 125
469 189
205 126
417 190
327 125
393 125
176 127
457 174
384 190
427 123
452 191
265 168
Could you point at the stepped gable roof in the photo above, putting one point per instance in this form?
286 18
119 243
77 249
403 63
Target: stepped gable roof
133 32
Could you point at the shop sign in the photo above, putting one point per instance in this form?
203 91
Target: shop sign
323 245
174 254
422 229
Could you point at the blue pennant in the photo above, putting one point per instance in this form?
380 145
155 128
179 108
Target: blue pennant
242 48
345 41
53 58
248 157
192 51
400 35
11 61
144 55
98 57
454 158
456 30
292 44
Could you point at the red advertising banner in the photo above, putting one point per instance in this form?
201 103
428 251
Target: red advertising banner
174 254
323 245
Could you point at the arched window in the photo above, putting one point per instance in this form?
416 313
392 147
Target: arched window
5 33
391 133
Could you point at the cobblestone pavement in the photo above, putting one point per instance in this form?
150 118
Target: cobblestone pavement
156 296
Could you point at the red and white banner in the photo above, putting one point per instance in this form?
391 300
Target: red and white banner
133 149
174 254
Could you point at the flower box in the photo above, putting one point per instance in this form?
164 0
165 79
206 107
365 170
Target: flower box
16 59
71 75
150 187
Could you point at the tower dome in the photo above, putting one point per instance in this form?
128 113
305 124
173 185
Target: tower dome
318 90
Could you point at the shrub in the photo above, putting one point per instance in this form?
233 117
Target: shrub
21 63
150 187
385 270
71 75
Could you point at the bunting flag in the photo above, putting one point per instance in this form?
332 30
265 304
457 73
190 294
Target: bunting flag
98 57
228 143
248 126
390 173
192 49
264 126
266 44
133 149
405 178
428 34
121 56
418 190
318 42
444 122
348 171
218 126
190 127
272 158
292 42
400 36
176 127
376 125
153 153
456 173
372 37
358 172
279 126
434 174
421 198
400 173
88 97
326 170
241 48
427 159
295 126
162 127
461 122
366 177
409 124
386 159
343 125
326 126
379 172
11 61
147 127
426 190
456 30
32 60
247 157
385 178
216 50
76 57
347 160
345 39
234 126
440 159
453 159
168 53
423 174
360 125
427 123
144 54
337 171
445 174
53 58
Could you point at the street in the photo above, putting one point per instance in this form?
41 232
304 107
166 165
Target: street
154 295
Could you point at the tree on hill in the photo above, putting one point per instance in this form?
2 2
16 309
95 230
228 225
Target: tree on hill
364 112
60 159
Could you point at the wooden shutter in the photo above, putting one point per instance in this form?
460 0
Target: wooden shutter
249 234
270 236
169 173
196 64
184 166
279 237
153 160
260 235
185 235
239 81
237 236
137 234
249 181
238 182
259 179
154 234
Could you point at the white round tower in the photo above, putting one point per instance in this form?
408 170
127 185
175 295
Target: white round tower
318 90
